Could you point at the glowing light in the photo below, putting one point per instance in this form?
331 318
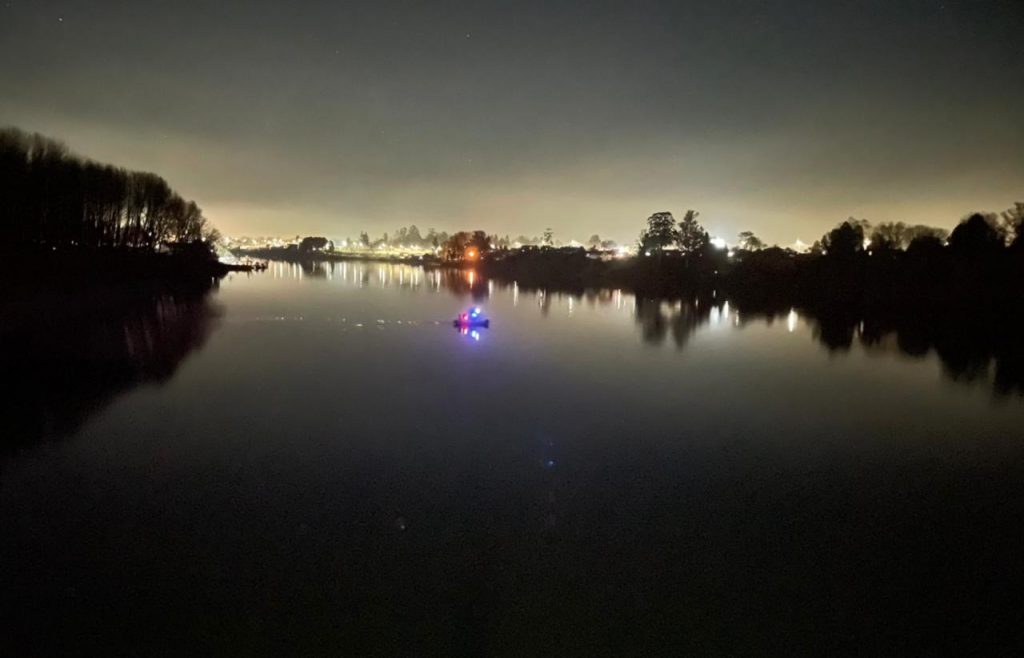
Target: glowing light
475 334
719 243
791 320
472 253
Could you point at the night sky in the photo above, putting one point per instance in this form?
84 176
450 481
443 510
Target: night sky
334 117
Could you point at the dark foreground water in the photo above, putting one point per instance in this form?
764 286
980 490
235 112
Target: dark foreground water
315 462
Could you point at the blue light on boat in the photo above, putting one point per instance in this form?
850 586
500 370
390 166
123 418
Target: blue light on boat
474 318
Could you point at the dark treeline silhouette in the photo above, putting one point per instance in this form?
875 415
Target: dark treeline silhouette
67 356
53 199
980 265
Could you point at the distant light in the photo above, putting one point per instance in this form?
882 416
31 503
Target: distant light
791 320
719 243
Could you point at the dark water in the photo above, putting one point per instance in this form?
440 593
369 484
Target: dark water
311 462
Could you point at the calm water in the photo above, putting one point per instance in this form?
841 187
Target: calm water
316 462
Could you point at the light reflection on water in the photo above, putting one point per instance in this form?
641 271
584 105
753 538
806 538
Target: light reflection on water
338 464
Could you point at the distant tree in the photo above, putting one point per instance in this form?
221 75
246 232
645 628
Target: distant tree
413 236
481 241
920 230
456 247
660 233
890 236
977 234
751 242
364 238
1013 225
925 246
309 245
548 239
845 240
691 236
594 240
608 244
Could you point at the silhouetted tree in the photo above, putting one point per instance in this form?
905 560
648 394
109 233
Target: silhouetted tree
978 234
549 238
1013 225
50 197
925 246
920 230
845 240
750 241
660 233
481 241
890 236
454 248
308 245
691 236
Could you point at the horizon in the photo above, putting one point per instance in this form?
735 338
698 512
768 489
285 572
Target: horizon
779 120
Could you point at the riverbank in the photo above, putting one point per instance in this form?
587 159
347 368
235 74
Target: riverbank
777 279
293 255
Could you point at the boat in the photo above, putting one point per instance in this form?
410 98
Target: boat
471 318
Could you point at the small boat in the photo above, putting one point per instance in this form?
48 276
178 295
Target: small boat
472 318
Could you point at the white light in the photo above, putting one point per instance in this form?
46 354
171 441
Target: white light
718 243
791 320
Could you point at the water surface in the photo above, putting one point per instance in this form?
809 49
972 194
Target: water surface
313 460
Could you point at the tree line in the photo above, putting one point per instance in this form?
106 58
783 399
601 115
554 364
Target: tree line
50 197
976 232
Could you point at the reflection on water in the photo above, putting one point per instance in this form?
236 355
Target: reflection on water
339 472
65 364
979 350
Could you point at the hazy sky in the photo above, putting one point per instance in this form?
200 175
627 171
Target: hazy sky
329 118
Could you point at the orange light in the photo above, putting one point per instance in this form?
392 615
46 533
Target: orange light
472 253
